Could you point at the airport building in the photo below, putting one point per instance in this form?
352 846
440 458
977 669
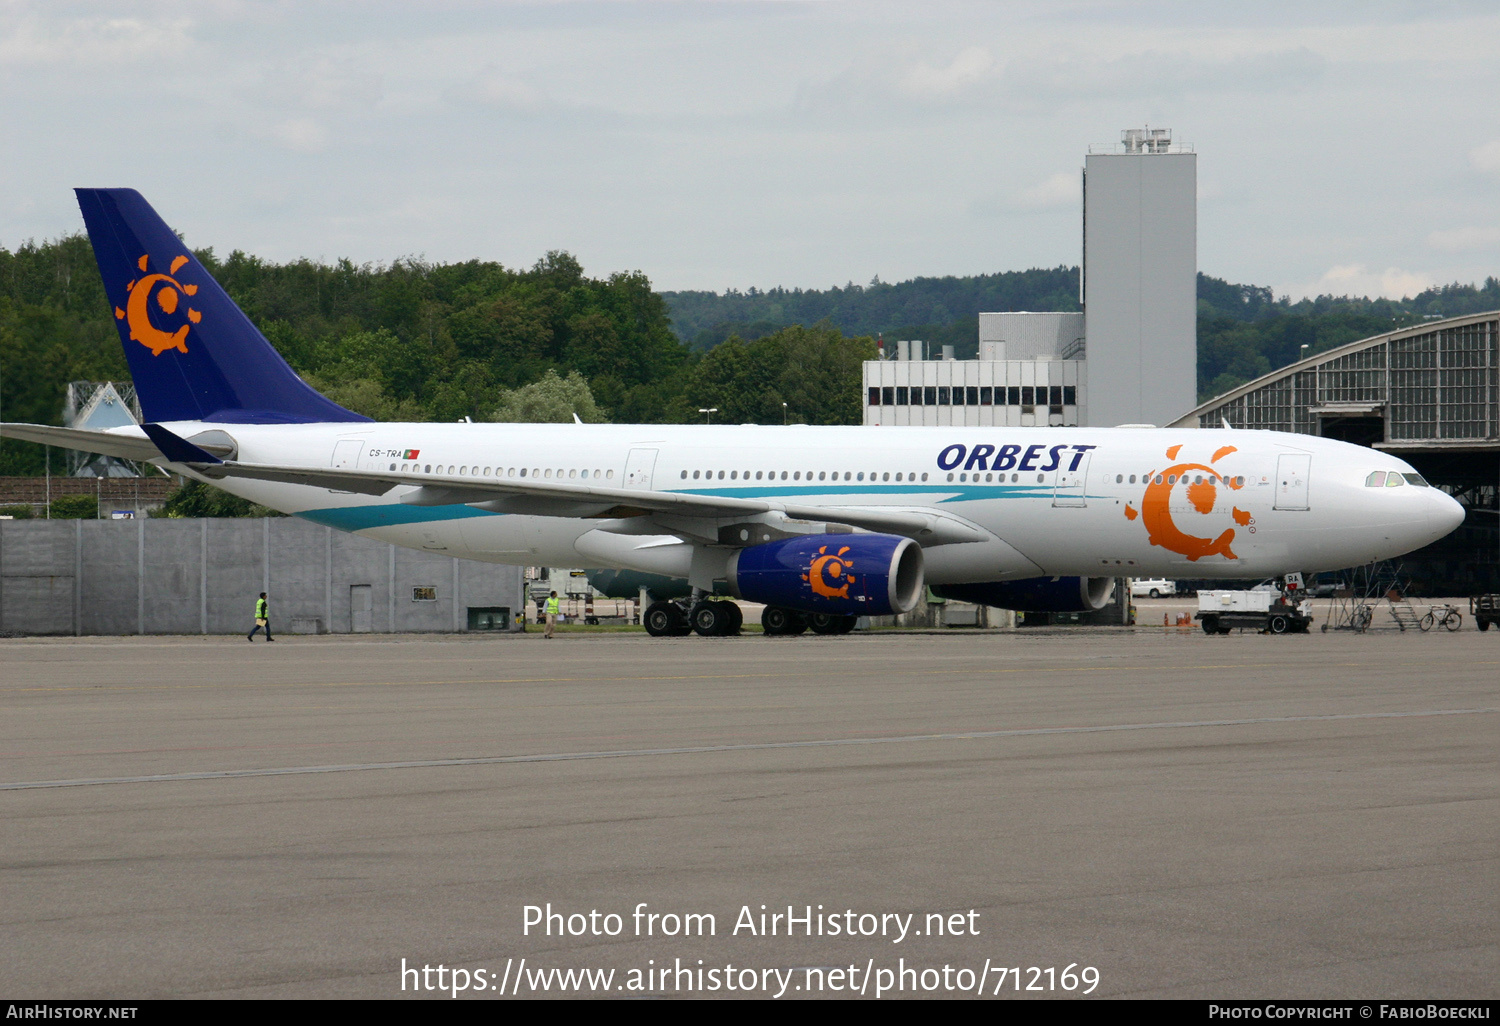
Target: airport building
1430 394
1137 337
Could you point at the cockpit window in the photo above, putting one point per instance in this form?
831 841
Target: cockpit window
1393 480
1415 479
1375 480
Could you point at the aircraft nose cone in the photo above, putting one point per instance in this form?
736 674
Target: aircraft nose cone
1444 513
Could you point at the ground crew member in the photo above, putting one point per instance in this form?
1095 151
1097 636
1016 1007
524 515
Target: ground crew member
262 619
552 606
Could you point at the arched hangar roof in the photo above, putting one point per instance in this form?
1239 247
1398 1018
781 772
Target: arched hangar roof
1433 384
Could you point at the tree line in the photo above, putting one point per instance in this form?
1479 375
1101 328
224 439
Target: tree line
413 340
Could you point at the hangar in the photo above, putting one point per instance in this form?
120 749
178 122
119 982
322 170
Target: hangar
1429 393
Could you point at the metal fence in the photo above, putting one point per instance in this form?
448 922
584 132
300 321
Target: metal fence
179 576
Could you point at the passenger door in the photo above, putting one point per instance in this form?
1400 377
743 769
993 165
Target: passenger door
1292 472
639 467
1069 489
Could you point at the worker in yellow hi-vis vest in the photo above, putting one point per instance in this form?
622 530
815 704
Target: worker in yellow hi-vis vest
552 610
262 618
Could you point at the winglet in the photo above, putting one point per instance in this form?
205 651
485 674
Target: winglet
175 448
576 420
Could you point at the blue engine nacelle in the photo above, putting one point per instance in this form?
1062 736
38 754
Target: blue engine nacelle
1034 594
841 574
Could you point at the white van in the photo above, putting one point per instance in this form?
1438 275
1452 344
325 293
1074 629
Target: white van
1152 587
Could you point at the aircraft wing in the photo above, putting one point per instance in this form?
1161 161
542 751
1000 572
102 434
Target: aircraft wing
106 443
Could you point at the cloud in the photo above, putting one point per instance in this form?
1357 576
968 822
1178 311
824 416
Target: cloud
498 91
1470 237
1359 280
1060 190
304 135
1486 157
972 66
91 41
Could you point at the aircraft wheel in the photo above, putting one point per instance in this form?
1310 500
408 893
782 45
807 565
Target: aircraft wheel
711 619
825 623
663 620
1279 624
736 616
777 620
848 624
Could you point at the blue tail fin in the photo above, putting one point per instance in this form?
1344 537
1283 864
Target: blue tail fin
193 355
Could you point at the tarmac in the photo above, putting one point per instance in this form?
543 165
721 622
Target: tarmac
1247 816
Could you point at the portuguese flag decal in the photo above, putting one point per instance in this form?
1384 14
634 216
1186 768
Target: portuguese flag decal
411 454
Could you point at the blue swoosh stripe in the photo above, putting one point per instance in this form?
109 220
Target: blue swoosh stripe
359 518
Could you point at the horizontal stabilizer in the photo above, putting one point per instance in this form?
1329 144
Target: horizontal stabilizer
177 449
105 443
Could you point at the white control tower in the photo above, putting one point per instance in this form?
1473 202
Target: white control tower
1140 271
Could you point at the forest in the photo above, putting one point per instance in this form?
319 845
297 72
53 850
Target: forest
411 340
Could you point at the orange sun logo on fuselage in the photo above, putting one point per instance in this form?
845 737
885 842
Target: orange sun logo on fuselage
827 570
1201 484
137 312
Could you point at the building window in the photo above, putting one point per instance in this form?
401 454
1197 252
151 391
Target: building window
1028 395
874 395
986 396
929 395
901 395
1013 395
958 395
1070 395
427 594
887 396
971 395
1055 396
942 395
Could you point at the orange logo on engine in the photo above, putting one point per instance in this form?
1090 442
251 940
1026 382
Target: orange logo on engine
1201 485
137 312
827 571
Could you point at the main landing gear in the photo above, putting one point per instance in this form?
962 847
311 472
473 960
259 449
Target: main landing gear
717 619
708 619
775 620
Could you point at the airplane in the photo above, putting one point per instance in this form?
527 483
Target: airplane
821 524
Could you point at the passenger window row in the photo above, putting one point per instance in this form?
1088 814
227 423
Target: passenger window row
972 395
797 475
535 472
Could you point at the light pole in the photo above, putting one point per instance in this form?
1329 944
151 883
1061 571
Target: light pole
1302 353
708 414
783 414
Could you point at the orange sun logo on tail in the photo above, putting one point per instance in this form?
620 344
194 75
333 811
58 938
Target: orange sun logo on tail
1201 484
168 292
827 570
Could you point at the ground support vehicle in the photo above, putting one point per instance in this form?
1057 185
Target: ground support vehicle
1222 611
1485 609
1152 587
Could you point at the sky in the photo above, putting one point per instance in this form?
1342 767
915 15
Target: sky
1343 148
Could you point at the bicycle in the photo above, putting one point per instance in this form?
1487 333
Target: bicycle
1446 616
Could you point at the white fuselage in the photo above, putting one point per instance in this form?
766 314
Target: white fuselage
1094 502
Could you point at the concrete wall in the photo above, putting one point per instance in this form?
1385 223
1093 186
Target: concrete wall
203 577
1140 266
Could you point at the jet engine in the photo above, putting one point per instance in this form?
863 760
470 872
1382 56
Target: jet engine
839 574
1034 594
